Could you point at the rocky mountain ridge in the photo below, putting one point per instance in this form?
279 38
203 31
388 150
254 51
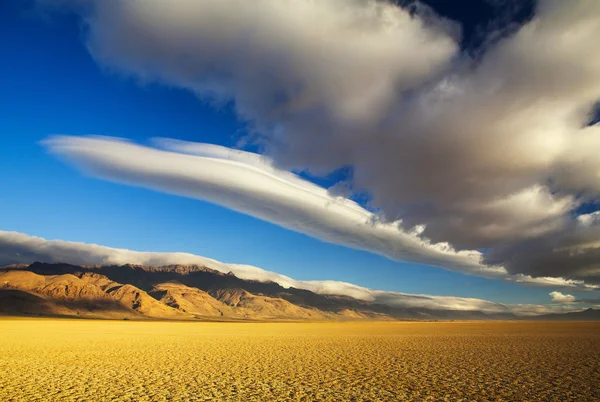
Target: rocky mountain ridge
185 292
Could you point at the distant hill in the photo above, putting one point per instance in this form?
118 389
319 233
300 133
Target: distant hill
587 315
188 292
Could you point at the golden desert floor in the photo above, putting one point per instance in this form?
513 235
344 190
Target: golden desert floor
85 360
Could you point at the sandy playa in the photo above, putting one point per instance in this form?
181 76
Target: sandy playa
76 360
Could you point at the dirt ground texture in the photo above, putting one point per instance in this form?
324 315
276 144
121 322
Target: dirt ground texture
87 360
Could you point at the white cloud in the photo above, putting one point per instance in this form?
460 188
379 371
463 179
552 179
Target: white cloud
21 248
558 297
491 153
250 184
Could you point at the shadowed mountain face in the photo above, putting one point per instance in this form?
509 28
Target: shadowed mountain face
587 315
184 293
25 292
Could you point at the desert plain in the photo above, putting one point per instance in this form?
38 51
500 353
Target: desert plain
44 359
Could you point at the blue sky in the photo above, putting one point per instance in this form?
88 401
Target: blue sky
50 84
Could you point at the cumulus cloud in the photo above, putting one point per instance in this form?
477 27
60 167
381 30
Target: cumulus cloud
490 153
19 248
249 183
558 297
575 249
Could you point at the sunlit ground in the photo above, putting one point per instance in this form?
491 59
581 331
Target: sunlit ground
48 359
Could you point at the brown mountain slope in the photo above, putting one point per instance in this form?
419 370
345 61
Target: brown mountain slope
23 280
277 302
192 301
70 288
90 294
98 280
140 301
264 307
191 292
65 287
132 297
18 302
25 292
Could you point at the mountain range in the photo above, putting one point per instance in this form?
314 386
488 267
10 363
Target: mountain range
192 292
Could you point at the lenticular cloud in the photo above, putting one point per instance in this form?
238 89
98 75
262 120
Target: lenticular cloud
490 154
250 184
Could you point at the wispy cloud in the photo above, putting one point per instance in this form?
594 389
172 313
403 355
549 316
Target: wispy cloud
249 183
21 248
